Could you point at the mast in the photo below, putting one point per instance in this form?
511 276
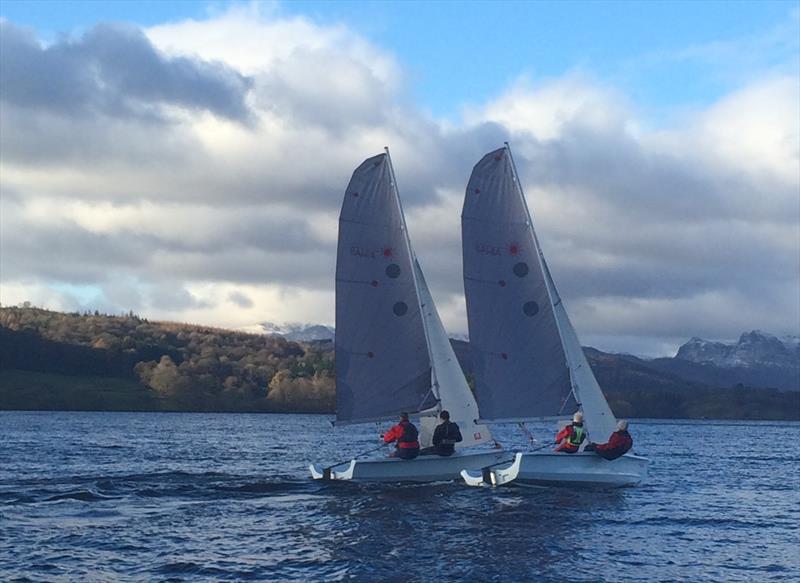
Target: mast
412 255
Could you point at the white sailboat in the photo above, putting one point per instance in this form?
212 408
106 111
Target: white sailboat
528 360
392 352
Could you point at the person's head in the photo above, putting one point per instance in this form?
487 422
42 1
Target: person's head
622 425
404 416
444 415
578 417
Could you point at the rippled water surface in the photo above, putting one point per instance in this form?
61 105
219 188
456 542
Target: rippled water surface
192 497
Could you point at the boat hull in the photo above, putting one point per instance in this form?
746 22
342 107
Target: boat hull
559 469
429 468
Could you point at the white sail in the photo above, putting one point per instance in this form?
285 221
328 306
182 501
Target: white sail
598 418
450 386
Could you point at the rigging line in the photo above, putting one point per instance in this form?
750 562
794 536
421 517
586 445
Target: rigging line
527 432
566 399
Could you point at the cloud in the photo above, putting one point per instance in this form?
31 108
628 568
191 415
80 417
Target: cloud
194 171
113 70
240 299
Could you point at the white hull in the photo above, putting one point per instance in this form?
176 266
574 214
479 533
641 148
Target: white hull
428 468
560 469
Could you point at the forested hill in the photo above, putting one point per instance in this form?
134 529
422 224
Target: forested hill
167 366
71 361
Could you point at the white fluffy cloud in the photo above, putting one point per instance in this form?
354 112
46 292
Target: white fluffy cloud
199 173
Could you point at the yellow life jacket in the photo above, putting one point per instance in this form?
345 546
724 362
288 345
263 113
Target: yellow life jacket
577 435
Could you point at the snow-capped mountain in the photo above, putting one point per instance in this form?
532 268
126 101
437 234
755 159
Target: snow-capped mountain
293 330
754 348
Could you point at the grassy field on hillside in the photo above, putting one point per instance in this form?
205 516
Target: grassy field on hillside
56 392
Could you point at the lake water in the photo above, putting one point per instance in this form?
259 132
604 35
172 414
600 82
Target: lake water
193 497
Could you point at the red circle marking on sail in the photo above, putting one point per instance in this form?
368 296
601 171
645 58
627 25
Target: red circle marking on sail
387 252
513 248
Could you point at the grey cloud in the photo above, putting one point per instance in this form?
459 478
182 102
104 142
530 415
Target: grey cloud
172 296
255 249
113 70
240 299
605 166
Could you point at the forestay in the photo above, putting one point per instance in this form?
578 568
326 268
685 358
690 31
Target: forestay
382 361
520 365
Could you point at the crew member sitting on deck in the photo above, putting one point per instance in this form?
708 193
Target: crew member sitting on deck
445 436
620 443
571 437
405 434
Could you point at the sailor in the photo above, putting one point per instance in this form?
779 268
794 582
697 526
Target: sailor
571 437
445 436
405 436
620 443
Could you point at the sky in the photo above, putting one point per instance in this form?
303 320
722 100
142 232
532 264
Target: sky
187 160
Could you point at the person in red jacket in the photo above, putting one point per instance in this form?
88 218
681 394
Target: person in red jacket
571 437
620 443
405 436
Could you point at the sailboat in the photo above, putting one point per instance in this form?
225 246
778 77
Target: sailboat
392 352
528 360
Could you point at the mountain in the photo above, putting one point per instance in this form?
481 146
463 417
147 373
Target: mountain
754 349
294 331
757 359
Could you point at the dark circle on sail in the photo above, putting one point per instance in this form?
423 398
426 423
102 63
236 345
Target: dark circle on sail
530 309
400 309
502 283
521 269
374 283
393 270
370 354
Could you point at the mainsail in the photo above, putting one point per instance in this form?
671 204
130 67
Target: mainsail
520 367
528 361
383 365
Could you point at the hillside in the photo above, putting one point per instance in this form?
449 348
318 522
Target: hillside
53 360
182 367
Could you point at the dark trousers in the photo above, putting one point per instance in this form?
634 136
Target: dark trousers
442 450
406 453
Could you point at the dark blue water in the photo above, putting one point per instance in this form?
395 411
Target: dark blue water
193 497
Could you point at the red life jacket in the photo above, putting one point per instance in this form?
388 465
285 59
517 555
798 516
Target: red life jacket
408 440
620 443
